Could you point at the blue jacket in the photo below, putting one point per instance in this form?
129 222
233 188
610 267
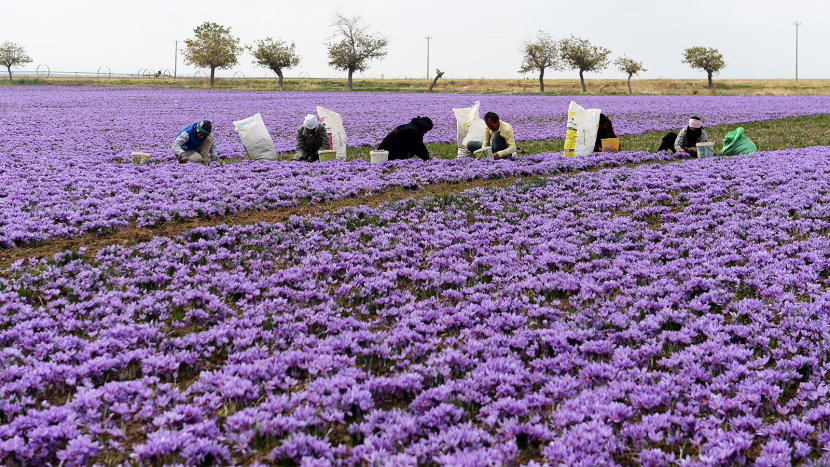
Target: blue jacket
193 142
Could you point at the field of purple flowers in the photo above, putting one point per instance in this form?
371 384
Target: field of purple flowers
44 200
93 125
668 313
61 148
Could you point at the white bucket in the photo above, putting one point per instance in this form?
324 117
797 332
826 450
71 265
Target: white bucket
140 158
484 153
379 156
705 150
326 155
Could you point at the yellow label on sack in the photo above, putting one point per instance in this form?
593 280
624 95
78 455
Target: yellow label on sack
570 143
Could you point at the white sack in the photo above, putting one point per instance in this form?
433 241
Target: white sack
256 139
333 122
586 124
475 132
463 119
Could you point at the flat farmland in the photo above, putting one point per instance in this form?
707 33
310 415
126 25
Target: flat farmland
636 308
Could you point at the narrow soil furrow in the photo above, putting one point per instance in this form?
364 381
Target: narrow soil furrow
132 235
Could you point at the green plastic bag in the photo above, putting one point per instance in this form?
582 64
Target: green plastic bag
736 143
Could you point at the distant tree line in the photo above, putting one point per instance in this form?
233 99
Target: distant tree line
352 47
13 55
573 53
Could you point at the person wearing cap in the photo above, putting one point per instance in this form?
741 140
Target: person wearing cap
689 136
407 141
498 135
311 137
194 143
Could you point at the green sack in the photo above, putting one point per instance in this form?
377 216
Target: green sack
736 143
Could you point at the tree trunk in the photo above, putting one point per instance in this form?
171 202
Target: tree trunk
438 75
10 73
582 80
629 85
212 70
351 72
542 80
279 74
711 86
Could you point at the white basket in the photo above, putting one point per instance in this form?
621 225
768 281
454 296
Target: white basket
484 153
140 158
705 150
326 155
379 156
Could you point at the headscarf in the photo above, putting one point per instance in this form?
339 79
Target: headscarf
694 131
695 123
605 128
422 123
310 122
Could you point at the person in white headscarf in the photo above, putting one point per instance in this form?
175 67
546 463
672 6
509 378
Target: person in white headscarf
689 136
311 138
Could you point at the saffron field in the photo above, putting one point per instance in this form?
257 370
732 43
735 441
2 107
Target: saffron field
629 309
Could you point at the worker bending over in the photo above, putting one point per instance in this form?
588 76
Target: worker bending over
407 141
311 138
498 135
193 143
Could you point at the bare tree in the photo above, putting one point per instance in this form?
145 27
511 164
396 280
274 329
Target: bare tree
707 59
580 54
629 66
540 54
275 55
13 55
213 47
356 47
438 75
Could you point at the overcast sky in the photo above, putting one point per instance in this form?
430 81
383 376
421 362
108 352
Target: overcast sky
471 38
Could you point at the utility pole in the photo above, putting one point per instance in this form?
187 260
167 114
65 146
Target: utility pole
428 38
175 59
797 24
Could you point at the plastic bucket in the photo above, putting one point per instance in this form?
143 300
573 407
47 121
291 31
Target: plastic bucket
139 158
379 156
610 145
327 155
705 150
484 153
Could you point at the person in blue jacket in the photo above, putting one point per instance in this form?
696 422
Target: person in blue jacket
194 143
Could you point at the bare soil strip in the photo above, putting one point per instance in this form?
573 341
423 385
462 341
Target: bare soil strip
133 235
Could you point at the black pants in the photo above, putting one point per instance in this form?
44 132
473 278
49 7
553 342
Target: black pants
668 142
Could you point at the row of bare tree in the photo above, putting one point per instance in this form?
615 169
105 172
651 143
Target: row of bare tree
353 46
350 49
573 53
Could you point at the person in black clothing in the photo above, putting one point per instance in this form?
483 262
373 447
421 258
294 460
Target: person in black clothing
407 141
667 144
687 139
605 130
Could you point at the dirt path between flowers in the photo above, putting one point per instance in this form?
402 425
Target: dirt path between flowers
133 235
